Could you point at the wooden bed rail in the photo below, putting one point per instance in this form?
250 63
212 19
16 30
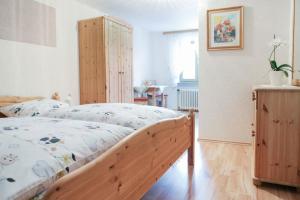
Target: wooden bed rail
130 168
191 150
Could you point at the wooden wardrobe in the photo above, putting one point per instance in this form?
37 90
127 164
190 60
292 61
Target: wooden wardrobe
105 59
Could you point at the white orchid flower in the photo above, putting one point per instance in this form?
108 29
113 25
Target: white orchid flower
285 68
276 42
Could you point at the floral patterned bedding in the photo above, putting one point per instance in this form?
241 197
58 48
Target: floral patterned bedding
32 108
36 151
127 115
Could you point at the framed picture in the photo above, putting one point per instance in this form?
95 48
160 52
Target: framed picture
225 28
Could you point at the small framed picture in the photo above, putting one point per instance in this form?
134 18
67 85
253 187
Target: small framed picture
225 28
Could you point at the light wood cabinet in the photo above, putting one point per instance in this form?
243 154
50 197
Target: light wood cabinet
105 57
277 135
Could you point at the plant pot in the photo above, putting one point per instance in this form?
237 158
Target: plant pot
276 78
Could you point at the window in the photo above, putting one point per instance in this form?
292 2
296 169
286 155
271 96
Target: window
183 49
189 62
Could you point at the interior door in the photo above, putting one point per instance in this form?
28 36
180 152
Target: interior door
126 70
113 56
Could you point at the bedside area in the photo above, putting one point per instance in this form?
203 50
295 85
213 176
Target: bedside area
276 135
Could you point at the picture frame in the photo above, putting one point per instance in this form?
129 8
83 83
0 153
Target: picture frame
225 28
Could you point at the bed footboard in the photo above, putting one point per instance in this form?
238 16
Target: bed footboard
130 168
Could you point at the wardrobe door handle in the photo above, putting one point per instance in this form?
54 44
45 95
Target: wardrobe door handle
253 96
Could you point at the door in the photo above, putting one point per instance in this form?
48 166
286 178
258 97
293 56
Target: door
126 65
113 61
278 137
88 61
101 70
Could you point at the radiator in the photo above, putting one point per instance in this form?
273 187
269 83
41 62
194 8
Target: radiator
187 99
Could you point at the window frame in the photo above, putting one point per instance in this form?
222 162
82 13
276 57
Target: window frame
196 79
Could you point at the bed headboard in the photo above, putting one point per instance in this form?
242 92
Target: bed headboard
9 100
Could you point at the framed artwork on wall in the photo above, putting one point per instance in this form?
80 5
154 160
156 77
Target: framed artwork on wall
225 28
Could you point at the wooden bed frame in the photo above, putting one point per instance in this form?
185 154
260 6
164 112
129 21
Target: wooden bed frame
9 100
130 168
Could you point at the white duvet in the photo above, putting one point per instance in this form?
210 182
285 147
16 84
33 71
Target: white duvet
127 115
35 152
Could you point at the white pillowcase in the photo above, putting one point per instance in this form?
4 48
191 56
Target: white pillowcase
32 108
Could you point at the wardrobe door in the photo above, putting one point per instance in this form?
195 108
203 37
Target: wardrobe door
126 60
113 61
88 61
101 67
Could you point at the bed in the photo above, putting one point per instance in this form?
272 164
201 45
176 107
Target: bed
126 168
124 114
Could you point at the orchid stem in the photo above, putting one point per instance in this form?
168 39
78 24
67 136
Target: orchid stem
274 52
274 47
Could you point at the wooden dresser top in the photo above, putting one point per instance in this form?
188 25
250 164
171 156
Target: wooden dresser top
270 87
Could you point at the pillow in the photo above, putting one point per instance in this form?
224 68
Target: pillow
32 108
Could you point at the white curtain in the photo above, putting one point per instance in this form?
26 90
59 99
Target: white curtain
182 49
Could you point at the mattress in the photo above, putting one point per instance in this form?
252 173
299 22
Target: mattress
36 151
128 115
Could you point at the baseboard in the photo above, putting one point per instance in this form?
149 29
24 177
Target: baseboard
224 141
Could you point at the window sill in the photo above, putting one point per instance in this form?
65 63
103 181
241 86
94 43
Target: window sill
188 84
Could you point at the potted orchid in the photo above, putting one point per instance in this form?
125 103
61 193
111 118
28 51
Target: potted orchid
278 72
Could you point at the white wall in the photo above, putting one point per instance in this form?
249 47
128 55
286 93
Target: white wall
28 69
161 66
160 58
297 40
142 60
226 77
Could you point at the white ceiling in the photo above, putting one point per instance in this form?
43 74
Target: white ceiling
154 15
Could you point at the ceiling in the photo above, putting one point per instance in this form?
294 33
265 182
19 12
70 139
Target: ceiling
154 15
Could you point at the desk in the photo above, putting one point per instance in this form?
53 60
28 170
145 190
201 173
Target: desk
156 92
141 100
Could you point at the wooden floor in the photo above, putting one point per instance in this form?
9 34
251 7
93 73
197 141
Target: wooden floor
222 171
